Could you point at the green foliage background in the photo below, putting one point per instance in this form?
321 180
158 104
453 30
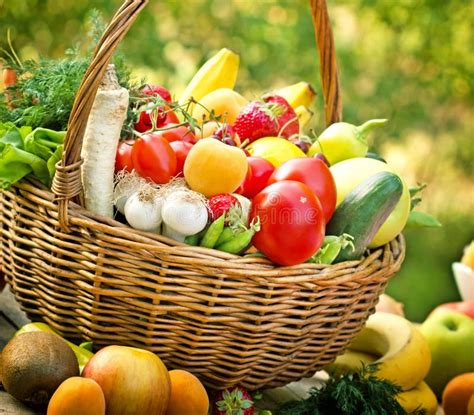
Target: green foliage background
408 60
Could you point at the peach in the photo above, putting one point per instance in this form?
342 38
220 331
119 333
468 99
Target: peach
224 101
188 395
213 167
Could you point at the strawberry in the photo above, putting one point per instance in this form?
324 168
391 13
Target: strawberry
287 121
270 117
220 204
233 401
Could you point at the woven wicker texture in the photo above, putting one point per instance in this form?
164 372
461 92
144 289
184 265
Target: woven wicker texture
226 318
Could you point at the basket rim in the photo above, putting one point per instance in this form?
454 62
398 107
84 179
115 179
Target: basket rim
82 218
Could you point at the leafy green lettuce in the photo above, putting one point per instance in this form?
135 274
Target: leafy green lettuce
23 152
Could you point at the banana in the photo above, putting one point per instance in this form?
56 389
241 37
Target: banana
220 71
298 94
403 354
304 116
420 397
350 361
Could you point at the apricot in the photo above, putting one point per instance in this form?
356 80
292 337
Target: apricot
213 167
77 396
224 101
470 405
188 395
457 393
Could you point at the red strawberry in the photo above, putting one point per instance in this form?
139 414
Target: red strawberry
233 401
288 123
220 204
270 117
151 90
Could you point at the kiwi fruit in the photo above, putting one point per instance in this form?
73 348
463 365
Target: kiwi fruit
34 364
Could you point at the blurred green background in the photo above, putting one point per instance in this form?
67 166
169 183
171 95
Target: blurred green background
409 60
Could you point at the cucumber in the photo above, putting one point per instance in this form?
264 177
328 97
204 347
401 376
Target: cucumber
363 212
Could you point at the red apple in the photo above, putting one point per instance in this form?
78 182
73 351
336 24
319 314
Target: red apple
134 381
465 307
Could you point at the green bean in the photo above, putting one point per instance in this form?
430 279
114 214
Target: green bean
212 234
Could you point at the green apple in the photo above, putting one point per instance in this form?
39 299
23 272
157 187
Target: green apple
450 335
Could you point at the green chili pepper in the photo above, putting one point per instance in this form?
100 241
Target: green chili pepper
241 241
227 234
196 238
330 248
213 232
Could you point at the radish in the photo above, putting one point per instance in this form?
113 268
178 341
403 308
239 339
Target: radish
143 209
100 144
185 212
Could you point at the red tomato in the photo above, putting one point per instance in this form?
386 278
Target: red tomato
154 159
179 133
257 177
123 158
314 173
291 222
181 149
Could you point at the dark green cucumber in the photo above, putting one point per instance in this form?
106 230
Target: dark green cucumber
363 212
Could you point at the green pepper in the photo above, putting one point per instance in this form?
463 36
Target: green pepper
82 354
341 140
213 232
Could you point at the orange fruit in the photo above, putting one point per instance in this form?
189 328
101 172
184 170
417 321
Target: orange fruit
188 395
457 394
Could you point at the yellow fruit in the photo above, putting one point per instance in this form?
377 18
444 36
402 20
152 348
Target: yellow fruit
350 173
213 167
220 71
225 102
468 257
421 397
350 361
274 149
457 394
304 116
188 395
403 355
208 129
301 93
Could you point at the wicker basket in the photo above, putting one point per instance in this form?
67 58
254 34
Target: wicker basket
226 318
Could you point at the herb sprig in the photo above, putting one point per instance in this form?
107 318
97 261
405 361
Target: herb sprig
357 393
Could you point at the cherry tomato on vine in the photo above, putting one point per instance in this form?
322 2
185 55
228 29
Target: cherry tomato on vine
123 158
291 222
181 149
178 133
257 177
154 159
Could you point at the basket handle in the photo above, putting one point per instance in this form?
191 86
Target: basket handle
67 180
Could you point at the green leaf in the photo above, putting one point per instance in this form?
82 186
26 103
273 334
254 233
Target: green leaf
16 164
44 142
422 220
55 157
87 346
10 134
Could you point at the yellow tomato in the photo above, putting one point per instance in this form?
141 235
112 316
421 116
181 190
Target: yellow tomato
274 149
